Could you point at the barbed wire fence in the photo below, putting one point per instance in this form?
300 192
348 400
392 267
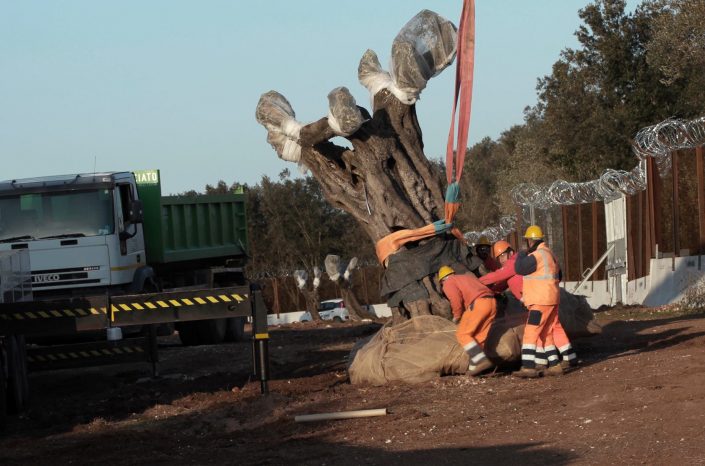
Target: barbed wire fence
537 202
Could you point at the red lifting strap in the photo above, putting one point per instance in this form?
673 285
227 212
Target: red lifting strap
465 52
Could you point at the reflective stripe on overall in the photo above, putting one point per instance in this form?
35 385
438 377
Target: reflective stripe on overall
541 297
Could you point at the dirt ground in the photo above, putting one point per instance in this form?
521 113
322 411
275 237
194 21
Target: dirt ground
638 397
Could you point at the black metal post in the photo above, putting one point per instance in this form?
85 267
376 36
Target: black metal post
260 338
152 347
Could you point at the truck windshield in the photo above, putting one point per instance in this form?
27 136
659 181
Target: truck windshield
57 214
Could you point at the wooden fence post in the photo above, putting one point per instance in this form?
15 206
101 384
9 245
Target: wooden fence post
675 206
700 168
651 210
639 259
277 306
580 243
566 262
631 269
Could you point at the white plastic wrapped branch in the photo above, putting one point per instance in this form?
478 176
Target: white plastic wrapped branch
344 116
332 264
507 225
301 276
424 47
374 78
316 277
371 75
352 265
274 112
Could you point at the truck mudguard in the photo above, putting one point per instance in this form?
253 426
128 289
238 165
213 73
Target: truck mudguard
141 276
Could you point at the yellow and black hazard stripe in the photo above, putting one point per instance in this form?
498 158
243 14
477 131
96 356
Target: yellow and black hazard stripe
177 302
84 353
54 313
151 305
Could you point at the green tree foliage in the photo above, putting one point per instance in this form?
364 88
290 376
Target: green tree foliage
631 71
677 50
526 162
480 184
599 95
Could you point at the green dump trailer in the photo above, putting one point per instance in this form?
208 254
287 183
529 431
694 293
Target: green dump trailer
186 229
195 241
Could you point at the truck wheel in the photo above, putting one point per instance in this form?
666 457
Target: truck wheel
3 390
235 330
188 333
202 332
165 330
212 331
337 319
17 382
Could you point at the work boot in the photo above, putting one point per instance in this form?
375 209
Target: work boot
480 367
569 365
554 370
541 367
527 373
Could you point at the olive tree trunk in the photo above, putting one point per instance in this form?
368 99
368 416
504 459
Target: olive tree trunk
384 180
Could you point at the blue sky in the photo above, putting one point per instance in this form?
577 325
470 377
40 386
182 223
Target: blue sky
174 84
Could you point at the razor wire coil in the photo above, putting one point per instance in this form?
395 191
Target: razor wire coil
657 141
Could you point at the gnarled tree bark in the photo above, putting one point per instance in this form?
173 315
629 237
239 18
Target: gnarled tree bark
384 180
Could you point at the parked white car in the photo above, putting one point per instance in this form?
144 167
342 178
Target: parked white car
332 309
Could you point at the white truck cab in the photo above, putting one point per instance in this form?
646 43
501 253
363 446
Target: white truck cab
82 231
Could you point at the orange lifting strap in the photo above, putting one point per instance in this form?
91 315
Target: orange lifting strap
455 157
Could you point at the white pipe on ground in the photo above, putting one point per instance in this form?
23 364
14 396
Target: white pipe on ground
341 415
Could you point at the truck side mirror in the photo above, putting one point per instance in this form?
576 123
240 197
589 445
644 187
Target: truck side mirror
135 215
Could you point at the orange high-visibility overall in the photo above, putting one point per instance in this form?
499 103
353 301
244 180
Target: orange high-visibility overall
474 304
541 296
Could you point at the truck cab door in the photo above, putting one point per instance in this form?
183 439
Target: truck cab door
129 218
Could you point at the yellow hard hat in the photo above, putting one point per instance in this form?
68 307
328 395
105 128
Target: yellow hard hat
444 271
533 232
483 241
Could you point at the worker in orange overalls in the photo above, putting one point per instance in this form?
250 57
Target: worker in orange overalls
475 308
541 296
482 250
506 277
